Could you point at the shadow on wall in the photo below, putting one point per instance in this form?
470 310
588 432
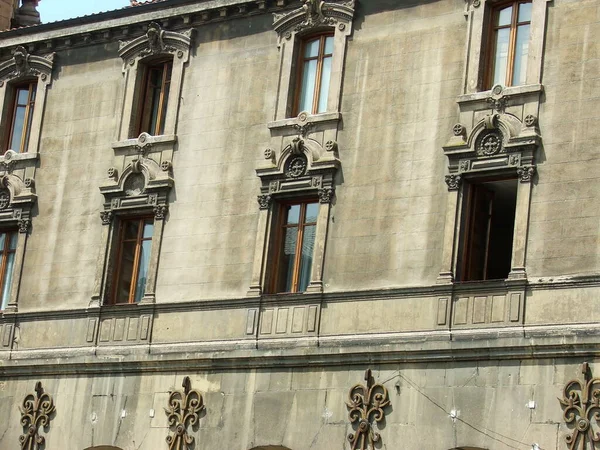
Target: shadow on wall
270 447
468 448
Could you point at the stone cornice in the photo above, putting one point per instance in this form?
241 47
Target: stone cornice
128 23
518 343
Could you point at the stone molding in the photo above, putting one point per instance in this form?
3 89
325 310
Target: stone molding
137 184
291 27
154 43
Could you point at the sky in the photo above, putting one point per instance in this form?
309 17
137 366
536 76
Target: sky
53 10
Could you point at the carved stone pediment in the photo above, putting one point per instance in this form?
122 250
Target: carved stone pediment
23 64
156 41
313 14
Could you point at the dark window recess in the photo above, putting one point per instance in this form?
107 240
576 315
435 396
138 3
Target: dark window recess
488 225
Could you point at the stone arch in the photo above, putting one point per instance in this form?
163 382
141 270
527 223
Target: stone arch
103 447
270 447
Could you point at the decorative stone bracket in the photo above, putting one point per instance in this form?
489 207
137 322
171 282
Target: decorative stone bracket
35 414
367 405
581 403
183 411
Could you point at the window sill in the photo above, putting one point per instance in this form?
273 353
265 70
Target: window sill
304 119
145 140
11 155
506 92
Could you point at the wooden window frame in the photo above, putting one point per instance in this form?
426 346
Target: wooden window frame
469 219
145 113
4 252
29 108
493 28
280 233
302 60
141 220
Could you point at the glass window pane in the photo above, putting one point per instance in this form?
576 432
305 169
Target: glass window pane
505 16
163 114
325 79
33 92
524 12
501 56
148 229
8 275
2 240
307 90
155 103
22 95
329 45
13 241
28 130
288 257
126 272
308 242
312 211
521 53
293 215
131 230
17 129
140 286
311 49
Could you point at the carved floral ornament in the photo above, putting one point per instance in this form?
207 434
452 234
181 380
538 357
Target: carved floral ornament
156 41
183 412
23 64
313 14
35 414
367 405
581 403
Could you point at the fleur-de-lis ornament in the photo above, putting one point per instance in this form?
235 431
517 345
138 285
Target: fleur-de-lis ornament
183 412
35 413
366 404
581 400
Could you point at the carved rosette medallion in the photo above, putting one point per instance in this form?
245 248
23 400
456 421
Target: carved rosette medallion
459 130
581 402
490 144
35 414
185 407
366 405
453 182
296 167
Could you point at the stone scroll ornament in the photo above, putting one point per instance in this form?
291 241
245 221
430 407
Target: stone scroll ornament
366 404
581 402
183 412
35 414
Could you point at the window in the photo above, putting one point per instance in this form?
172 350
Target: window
131 270
155 98
8 247
509 44
314 74
488 230
295 242
21 117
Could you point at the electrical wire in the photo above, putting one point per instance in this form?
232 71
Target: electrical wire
485 432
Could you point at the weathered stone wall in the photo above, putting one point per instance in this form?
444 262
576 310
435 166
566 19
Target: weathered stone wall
7 9
305 408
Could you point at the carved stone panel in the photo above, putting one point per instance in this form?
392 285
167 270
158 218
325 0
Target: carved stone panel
121 328
288 321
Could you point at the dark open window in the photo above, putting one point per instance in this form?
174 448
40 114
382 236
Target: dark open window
8 247
314 74
133 258
155 98
509 44
294 245
21 116
488 225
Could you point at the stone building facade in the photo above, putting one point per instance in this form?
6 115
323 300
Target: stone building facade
419 271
